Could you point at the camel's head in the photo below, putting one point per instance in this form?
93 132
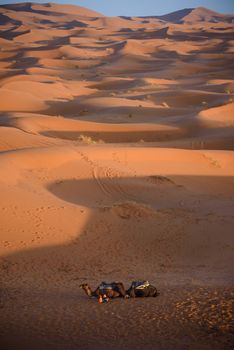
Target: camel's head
84 286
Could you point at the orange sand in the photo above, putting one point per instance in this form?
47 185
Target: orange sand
116 163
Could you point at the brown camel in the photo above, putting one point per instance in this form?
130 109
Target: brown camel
111 290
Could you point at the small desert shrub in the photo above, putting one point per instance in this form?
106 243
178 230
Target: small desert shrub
86 139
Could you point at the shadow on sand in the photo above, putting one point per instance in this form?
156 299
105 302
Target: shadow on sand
152 228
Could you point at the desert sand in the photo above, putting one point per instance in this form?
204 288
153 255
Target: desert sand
116 164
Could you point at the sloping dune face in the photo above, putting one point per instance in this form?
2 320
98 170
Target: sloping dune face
116 164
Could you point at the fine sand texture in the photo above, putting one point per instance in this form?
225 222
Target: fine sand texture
116 164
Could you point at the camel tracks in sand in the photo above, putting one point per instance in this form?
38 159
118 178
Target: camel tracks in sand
99 182
86 158
113 184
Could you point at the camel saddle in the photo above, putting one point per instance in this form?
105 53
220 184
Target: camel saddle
140 284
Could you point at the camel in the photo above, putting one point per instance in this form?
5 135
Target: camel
109 290
142 289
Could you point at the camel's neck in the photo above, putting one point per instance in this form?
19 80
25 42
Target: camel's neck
89 291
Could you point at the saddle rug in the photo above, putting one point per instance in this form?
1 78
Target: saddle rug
106 286
140 284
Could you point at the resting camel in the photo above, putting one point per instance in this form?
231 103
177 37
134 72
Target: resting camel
111 290
142 289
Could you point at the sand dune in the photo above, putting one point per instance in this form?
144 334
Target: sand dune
116 163
212 115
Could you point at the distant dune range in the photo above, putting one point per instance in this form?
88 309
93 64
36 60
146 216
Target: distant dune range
116 163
